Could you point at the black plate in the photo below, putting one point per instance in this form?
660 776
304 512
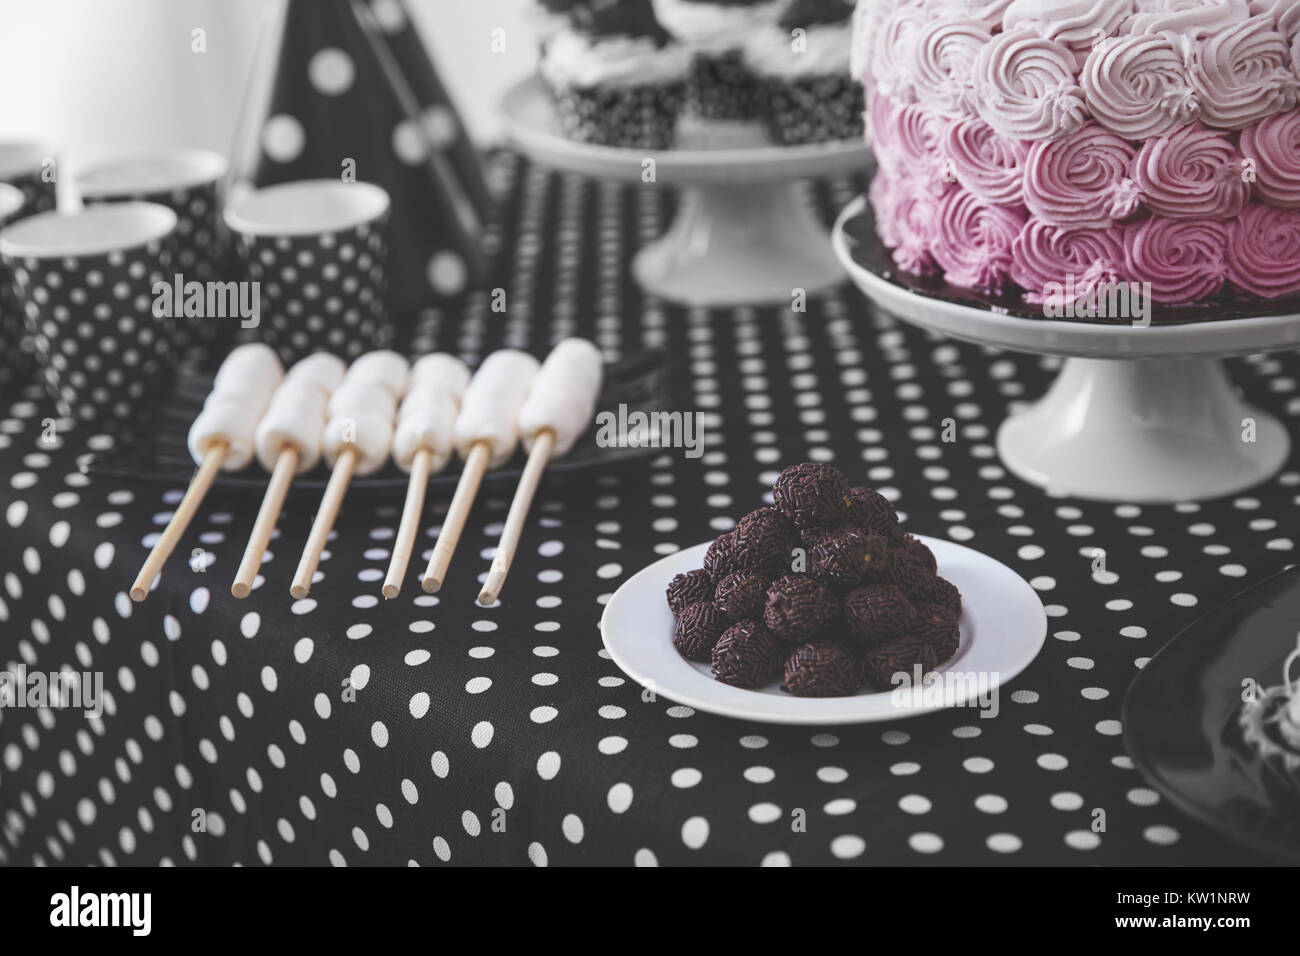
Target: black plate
1180 718
868 251
157 451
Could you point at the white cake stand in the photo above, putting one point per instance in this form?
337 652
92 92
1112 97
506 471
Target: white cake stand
1136 414
743 233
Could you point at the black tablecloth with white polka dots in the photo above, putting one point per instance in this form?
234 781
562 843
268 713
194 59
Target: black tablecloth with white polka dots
347 730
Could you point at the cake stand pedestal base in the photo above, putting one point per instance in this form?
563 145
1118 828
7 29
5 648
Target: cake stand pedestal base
1143 430
747 244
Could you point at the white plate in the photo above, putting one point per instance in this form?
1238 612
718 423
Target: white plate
1003 625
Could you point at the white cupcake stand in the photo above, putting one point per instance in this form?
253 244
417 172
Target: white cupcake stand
743 234
1136 414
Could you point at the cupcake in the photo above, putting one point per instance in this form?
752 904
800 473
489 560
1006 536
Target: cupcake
721 86
618 77
802 66
550 18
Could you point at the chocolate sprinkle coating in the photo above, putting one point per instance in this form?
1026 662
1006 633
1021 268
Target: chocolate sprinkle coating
697 631
917 548
899 655
799 608
747 655
945 594
846 557
812 494
767 535
822 669
938 629
723 557
870 510
877 613
909 572
689 588
742 595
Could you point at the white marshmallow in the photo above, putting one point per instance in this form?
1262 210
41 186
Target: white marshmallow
321 369
253 364
491 404
370 435
361 398
386 369
441 370
426 420
295 417
563 395
230 420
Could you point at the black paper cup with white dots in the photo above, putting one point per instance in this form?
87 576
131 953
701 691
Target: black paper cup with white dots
15 348
316 251
31 168
88 285
187 181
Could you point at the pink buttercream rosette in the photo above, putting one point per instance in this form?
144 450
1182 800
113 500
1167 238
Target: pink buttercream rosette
1264 251
1137 86
906 213
943 64
907 140
1274 148
988 164
1082 180
1242 73
1044 255
1184 259
972 241
1074 24
1194 173
1027 87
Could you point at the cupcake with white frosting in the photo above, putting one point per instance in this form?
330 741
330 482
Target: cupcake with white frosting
618 77
803 65
721 86
1270 722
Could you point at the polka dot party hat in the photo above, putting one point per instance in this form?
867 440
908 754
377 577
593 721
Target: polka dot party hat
350 91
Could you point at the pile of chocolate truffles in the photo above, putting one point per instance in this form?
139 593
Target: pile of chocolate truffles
823 589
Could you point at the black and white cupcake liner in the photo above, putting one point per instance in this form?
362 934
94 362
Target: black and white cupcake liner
815 109
317 251
635 117
722 87
86 284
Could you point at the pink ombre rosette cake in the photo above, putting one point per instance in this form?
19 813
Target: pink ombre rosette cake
1027 147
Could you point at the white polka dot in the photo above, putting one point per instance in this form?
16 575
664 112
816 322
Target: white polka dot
331 71
283 138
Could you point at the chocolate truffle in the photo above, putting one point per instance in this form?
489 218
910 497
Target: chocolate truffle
876 613
768 536
822 669
697 630
938 629
723 557
871 511
908 571
845 557
901 654
742 595
811 494
799 608
747 655
689 588
915 546
944 593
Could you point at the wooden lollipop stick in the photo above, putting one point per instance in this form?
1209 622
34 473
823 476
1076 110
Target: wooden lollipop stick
180 520
462 501
518 514
286 465
411 511
330 503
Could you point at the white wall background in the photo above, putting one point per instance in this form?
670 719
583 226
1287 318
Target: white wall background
94 76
